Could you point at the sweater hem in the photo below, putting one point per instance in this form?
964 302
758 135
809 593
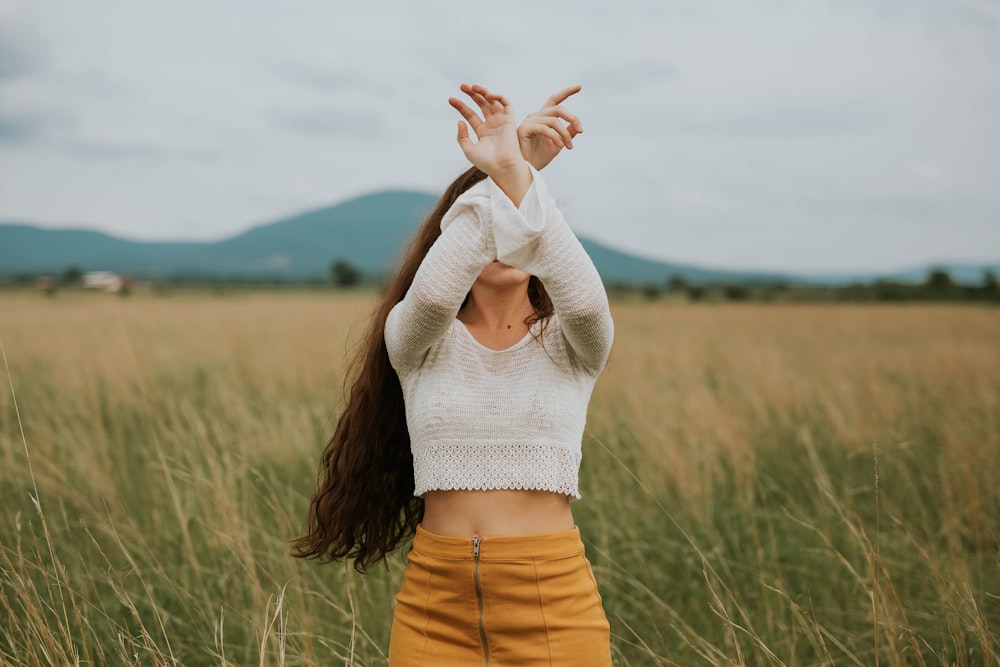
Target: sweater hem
483 467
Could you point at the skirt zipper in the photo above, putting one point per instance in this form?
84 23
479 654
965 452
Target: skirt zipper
479 599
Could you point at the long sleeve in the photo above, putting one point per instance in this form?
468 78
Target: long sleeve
446 274
483 224
499 419
540 242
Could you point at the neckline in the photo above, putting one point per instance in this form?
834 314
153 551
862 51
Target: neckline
529 335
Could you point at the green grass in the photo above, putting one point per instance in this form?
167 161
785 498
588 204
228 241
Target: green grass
763 485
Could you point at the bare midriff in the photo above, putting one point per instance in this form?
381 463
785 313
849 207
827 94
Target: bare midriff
495 513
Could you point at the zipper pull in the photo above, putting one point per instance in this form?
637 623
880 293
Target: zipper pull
475 546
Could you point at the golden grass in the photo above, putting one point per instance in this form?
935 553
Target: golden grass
730 500
717 377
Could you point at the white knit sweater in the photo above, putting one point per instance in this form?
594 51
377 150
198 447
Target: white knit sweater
500 419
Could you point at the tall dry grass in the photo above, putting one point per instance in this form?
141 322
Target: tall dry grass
780 484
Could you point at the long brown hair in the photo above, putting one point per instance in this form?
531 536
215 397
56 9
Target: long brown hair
363 507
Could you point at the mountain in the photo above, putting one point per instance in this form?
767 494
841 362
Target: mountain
616 266
367 231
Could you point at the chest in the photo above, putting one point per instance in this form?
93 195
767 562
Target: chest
464 384
497 340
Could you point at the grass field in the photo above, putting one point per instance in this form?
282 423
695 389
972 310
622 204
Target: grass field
763 484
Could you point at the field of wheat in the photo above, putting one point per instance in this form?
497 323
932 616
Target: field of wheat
763 484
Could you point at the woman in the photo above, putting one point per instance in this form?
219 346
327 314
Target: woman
496 327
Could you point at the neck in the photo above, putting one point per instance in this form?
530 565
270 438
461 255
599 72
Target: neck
497 309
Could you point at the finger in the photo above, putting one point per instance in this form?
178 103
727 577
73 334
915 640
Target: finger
495 98
565 114
561 96
467 113
564 131
566 137
464 141
485 104
476 96
546 131
498 102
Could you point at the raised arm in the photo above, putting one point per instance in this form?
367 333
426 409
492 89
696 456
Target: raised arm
440 284
466 243
540 242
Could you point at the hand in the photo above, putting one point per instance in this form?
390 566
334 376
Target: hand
497 148
543 135
497 152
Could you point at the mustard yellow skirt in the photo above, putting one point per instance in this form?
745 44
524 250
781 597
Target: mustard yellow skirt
499 602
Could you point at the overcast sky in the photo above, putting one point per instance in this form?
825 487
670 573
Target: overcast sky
790 135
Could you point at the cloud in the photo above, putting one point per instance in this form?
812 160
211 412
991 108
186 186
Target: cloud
352 123
90 83
981 15
40 98
322 79
914 208
15 130
698 114
114 151
30 125
19 54
793 120
55 132
89 148
630 76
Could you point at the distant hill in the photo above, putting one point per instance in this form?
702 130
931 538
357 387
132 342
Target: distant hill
367 231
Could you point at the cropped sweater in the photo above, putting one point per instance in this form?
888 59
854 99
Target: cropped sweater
500 419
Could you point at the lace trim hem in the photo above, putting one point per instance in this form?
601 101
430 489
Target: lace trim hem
472 467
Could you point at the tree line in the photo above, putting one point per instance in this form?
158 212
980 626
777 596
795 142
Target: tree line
939 285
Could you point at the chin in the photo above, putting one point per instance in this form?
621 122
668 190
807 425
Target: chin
498 274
